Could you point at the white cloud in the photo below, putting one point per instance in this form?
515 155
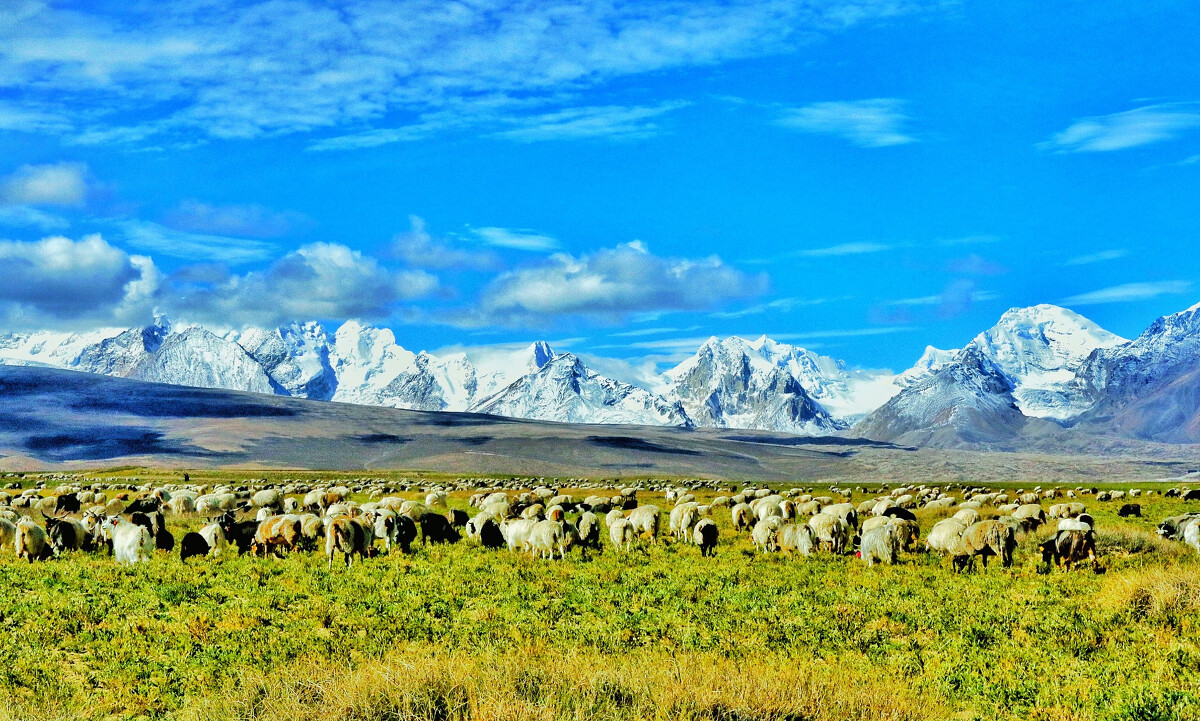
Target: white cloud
609 285
244 221
874 123
319 280
419 249
57 184
843 249
201 69
779 305
516 239
146 235
613 122
975 296
23 216
1129 129
57 280
1097 257
1129 292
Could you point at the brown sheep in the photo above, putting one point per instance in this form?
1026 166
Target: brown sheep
986 538
277 533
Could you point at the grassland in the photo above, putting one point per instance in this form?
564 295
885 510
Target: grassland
458 632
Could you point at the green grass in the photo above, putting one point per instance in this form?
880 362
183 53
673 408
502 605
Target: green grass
460 632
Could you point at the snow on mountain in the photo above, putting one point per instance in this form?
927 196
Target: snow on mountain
566 390
196 357
967 402
930 362
294 357
1169 346
48 348
734 383
496 369
1040 349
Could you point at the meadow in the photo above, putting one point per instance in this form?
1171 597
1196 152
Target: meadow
460 632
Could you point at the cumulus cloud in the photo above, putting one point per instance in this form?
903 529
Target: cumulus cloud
237 70
57 280
56 184
1128 129
874 123
419 249
1128 292
608 286
244 221
319 280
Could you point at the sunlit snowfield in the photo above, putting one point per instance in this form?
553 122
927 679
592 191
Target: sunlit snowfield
462 632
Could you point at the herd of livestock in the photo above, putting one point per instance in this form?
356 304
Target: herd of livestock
128 519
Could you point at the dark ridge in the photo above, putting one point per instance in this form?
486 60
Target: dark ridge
382 438
638 444
474 440
100 442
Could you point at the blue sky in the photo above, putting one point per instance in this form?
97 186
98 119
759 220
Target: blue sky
625 179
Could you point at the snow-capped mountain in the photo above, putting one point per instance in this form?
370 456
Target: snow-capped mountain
1041 362
1170 344
566 390
731 383
1040 349
965 402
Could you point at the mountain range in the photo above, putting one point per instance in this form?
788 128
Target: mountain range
1040 371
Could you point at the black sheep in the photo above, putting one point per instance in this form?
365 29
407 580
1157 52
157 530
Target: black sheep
193 544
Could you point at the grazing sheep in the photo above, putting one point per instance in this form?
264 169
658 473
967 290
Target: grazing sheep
881 543
276 533
645 521
30 541
269 498
489 534
798 538
193 544
516 532
130 542
66 534
704 535
766 534
589 531
8 532
1191 534
899 513
436 529
457 518
1172 528
844 511
909 531
622 533
1130 509
346 536
967 516
743 517
436 499
214 534
545 537
1066 548
831 532
986 538
683 517
944 535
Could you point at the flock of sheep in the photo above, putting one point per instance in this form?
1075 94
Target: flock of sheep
128 519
